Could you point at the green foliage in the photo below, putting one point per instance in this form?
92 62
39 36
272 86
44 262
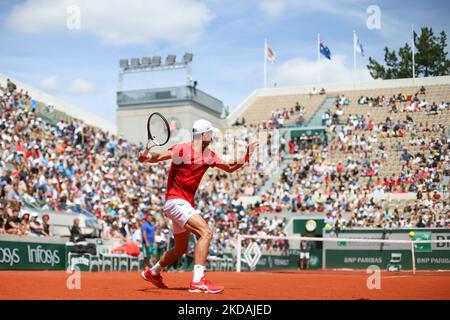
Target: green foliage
431 59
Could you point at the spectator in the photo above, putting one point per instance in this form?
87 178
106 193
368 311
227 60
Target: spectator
136 231
305 249
2 224
76 235
11 86
12 225
36 227
423 91
148 243
45 225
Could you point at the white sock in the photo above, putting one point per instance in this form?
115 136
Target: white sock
198 273
156 269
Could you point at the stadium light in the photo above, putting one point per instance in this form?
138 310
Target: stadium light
170 60
155 63
135 62
146 61
123 63
156 60
187 57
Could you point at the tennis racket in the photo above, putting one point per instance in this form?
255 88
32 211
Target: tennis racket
158 130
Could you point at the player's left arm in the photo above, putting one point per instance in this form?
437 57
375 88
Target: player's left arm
232 167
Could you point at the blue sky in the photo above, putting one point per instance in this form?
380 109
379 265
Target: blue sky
226 37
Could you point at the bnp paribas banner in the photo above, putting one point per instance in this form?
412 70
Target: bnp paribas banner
290 261
359 255
32 256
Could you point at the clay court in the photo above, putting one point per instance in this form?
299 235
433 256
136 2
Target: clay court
282 285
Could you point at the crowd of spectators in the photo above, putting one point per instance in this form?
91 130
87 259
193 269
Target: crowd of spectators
278 118
322 180
69 166
312 184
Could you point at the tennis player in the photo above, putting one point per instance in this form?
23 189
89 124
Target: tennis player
190 161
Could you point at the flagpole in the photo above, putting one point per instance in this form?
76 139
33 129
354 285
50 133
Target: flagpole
318 57
354 58
265 62
413 52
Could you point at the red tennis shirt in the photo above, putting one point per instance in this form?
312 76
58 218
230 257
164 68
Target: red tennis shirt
187 170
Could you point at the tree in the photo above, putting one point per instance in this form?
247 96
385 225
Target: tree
431 59
226 112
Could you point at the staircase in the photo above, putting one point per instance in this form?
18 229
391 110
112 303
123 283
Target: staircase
275 175
316 120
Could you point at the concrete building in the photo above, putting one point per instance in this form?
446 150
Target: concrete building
182 106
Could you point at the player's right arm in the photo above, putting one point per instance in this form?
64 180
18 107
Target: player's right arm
153 157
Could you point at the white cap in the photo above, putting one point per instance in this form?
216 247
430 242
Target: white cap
202 126
34 215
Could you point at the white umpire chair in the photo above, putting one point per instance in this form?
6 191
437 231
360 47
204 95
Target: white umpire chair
229 263
135 262
223 264
214 263
104 252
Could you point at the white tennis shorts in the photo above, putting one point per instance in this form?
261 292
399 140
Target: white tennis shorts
179 211
304 255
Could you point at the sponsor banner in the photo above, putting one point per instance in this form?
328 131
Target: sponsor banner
288 262
422 236
435 234
32 256
362 259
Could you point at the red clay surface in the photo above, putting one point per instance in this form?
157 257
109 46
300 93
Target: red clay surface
282 285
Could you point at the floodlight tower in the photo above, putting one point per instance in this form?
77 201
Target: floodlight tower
182 105
147 64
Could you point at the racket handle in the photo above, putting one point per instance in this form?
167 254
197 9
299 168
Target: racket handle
150 144
144 155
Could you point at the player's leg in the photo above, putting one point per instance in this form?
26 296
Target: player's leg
198 226
145 262
153 275
154 259
181 244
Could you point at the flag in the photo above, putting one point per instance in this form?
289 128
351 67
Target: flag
270 55
359 46
416 39
324 50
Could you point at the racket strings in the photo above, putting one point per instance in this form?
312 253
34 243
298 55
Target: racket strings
159 130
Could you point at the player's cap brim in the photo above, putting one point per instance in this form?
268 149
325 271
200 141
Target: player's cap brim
209 130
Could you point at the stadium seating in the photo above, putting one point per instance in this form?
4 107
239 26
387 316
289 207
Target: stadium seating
261 109
83 170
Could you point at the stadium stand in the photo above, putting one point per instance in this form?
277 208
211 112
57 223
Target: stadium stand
285 110
70 167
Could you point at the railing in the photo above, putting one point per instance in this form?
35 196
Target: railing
91 220
168 95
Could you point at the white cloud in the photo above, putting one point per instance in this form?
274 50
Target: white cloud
116 22
273 8
80 86
49 83
300 71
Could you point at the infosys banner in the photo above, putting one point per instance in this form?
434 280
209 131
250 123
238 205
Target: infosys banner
32 256
360 255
